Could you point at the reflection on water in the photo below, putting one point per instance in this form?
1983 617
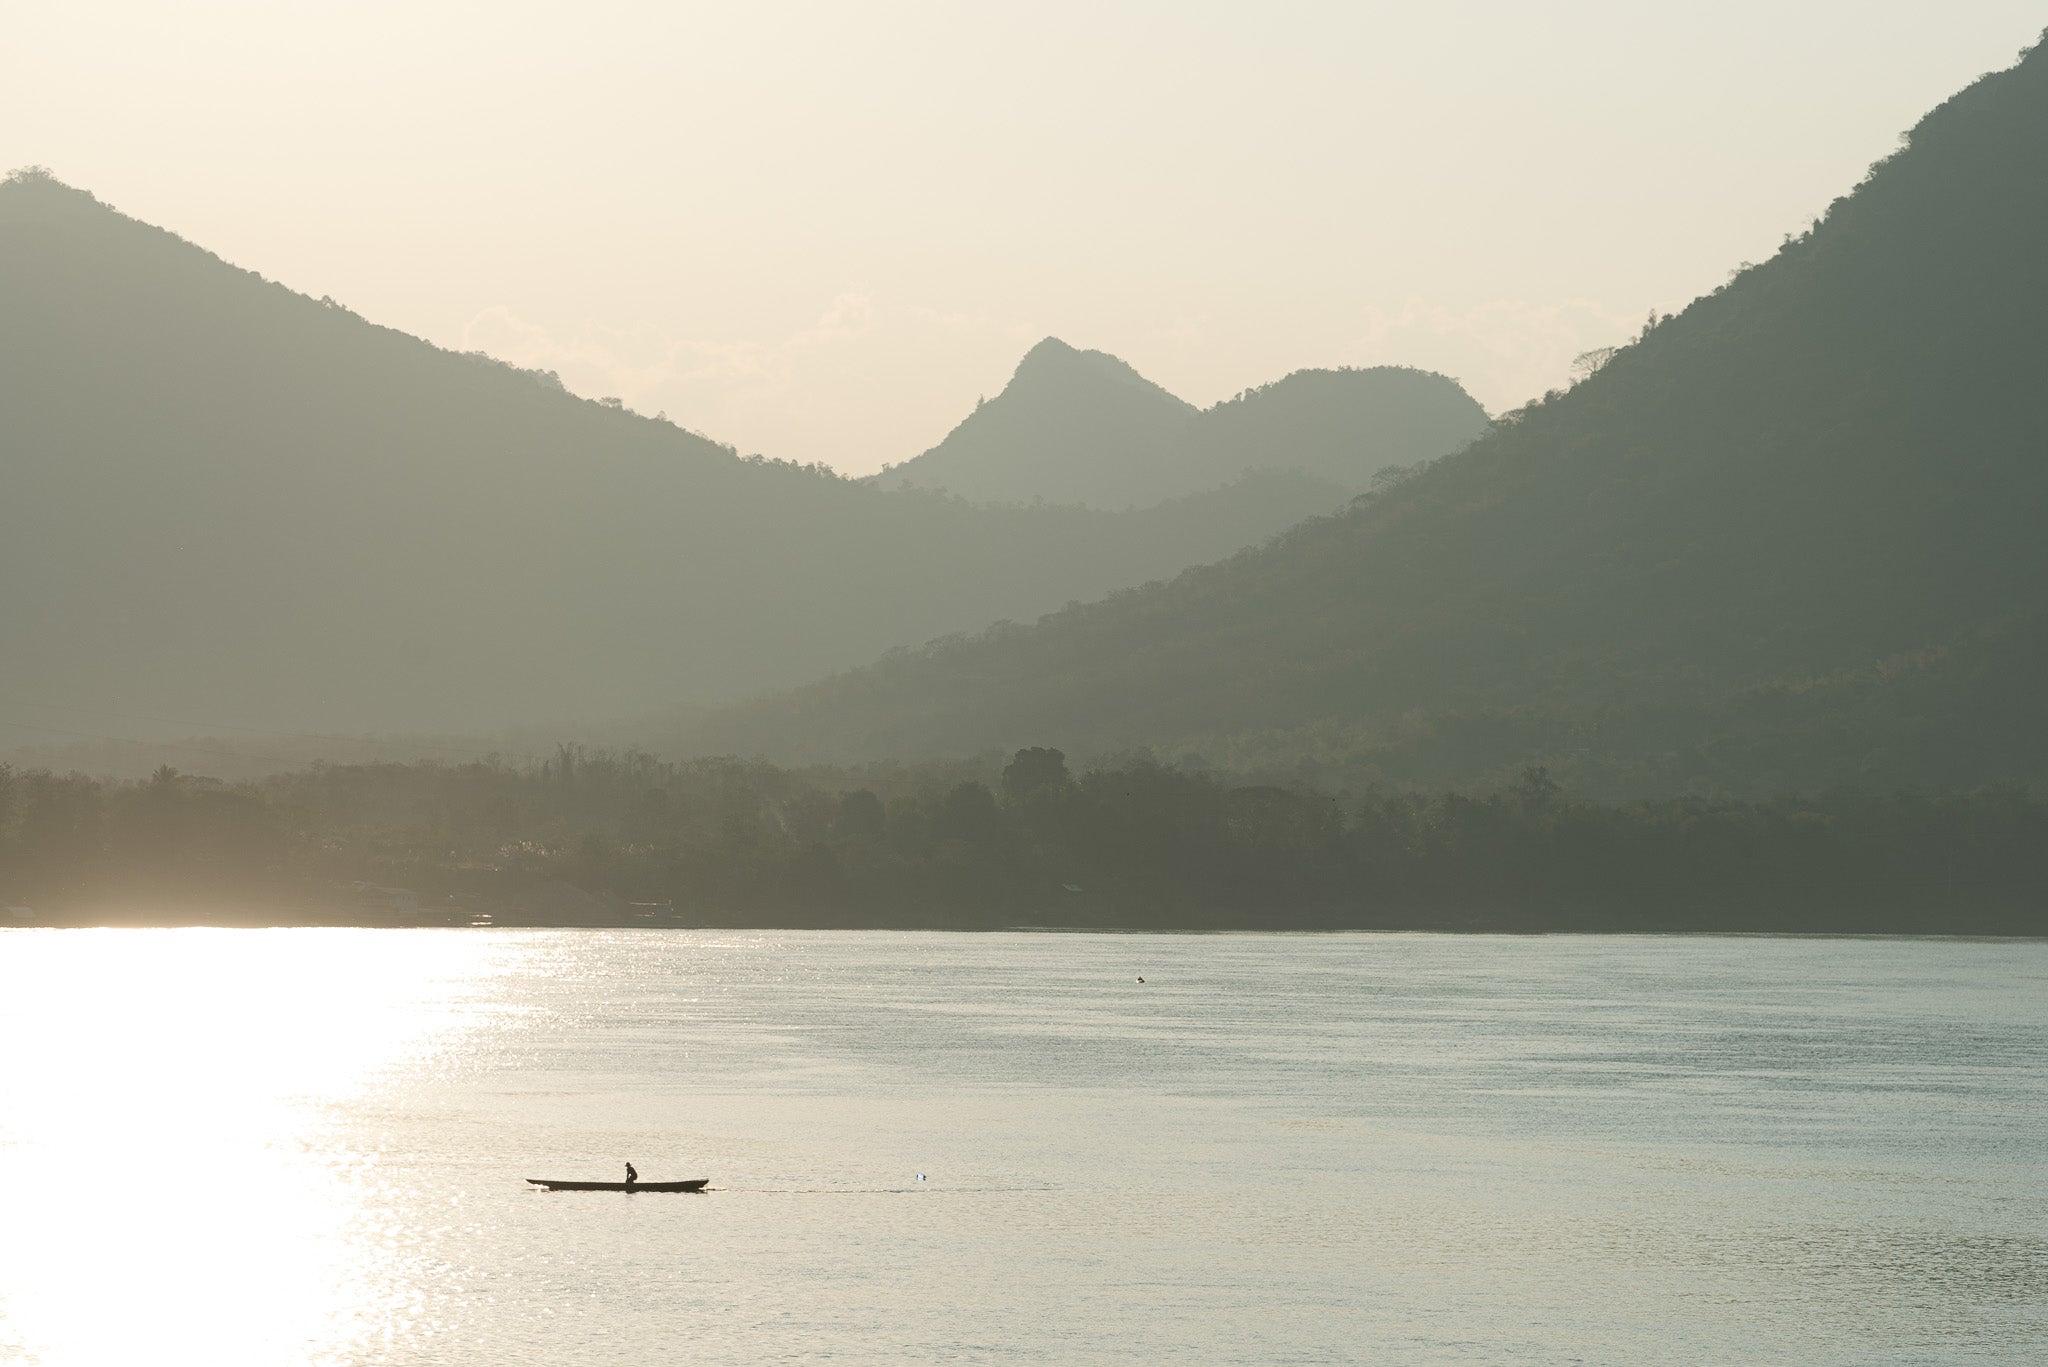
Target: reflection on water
180 1175
307 1146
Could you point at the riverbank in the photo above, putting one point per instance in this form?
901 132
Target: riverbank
626 840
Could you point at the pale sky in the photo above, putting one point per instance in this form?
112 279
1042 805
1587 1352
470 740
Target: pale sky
820 231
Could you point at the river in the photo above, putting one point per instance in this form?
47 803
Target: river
307 1146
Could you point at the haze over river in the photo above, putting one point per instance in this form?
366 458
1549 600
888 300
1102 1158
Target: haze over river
263 1147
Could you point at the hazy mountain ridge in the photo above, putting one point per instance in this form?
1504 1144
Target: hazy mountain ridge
1070 427
1791 536
1083 427
225 500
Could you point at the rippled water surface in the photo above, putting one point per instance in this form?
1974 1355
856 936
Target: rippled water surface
264 1147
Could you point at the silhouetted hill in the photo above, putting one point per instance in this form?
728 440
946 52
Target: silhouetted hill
1083 427
1796 535
224 501
1070 427
1341 425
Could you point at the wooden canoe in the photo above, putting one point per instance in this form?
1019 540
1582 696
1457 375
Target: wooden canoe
549 1184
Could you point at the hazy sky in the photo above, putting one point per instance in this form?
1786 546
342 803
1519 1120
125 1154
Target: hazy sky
820 230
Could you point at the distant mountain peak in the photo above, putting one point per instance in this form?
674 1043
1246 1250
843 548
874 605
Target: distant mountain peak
1075 426
219 493
1049 349
1787 538
1071 426
1054 362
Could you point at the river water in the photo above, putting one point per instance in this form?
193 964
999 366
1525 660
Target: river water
306 1146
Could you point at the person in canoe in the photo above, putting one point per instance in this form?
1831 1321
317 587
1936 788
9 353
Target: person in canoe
631 1176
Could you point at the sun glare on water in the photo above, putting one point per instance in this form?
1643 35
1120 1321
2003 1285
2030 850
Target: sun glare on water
175 1191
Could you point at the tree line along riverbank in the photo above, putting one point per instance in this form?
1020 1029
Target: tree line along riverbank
627 839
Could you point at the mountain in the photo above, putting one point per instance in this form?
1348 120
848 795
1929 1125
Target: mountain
225 503
1083 427
1347 426
1796 535
1070 427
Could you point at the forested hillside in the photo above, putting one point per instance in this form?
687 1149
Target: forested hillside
1083 427
224 501
1792 536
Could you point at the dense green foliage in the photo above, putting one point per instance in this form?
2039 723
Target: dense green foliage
625 839
1790 537
1083 427
220 499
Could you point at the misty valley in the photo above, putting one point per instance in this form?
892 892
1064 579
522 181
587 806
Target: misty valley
1779 554
1065 684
